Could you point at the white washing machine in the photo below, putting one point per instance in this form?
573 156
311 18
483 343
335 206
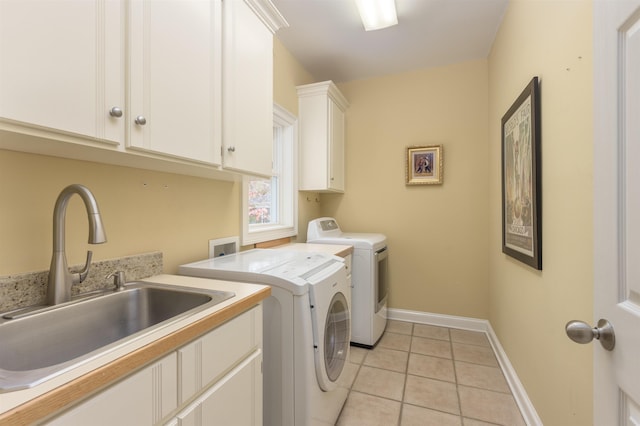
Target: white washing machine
369 277
306 329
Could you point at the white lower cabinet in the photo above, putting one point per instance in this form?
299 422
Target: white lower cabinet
214 380
144 398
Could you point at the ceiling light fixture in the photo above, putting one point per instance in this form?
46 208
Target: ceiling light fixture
377 14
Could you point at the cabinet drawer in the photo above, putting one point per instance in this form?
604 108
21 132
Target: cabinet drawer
205 360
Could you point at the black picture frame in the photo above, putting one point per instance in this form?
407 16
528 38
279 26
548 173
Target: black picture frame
521 178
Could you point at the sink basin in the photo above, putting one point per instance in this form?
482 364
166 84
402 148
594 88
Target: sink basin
42 344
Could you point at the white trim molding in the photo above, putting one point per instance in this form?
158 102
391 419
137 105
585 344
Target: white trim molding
286 159
268 14
527 409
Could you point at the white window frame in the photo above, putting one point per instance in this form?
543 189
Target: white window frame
285 126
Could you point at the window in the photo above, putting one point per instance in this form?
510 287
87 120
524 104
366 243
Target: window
270 206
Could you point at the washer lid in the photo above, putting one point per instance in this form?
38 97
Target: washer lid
357 240
307 267
285 269
325 230
256 260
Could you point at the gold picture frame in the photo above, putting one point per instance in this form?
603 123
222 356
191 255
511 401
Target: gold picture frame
424 165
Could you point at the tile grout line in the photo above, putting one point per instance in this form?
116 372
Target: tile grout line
406 375
455 376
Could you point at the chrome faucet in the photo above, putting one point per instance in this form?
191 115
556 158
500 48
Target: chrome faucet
60 279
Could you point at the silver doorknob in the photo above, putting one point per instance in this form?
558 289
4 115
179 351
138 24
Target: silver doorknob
231 149
581 332
140 120
115 112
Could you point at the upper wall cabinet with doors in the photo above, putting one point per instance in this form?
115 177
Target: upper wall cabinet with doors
143 78
322 137
247 91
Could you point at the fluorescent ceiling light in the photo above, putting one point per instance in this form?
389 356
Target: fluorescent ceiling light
377 14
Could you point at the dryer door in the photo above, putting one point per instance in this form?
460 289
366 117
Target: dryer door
336 343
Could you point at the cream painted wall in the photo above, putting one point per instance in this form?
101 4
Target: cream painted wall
437 234
288 73
528 309
142 211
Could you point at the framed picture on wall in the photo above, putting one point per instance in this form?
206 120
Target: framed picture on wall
521 187
424 165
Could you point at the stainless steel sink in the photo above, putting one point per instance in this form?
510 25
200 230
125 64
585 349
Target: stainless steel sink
37 346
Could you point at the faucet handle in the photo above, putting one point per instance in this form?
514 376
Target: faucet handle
118 279
85 271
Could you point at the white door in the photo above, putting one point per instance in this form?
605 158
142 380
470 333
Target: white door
617 209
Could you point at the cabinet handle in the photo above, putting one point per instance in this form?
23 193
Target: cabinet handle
140 120
115 112
231 149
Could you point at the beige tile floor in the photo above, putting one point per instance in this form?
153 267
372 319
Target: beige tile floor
426 375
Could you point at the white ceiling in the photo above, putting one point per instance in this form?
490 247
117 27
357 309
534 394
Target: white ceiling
328 38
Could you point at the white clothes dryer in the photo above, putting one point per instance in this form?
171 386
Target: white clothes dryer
369 277
306 329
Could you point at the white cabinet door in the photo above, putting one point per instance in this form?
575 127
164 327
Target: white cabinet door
247 90
61 66
144 398
174 73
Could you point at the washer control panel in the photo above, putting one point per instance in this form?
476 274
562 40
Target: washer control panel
329 225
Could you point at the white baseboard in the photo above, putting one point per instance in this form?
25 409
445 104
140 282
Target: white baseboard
527 409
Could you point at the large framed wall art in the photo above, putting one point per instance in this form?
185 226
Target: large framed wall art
521 179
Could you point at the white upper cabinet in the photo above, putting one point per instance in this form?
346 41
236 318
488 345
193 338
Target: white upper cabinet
184 86
61 67
247 134
175 78
322 137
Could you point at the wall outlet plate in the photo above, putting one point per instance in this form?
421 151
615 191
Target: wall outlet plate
223 246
